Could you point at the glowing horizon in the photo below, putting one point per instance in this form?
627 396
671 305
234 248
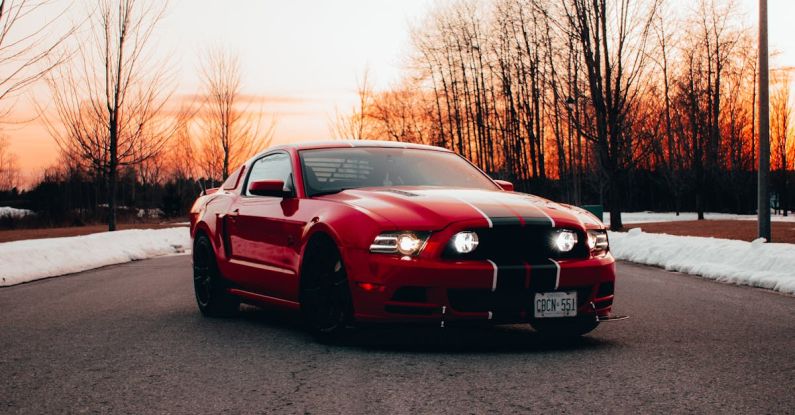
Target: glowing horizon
300 59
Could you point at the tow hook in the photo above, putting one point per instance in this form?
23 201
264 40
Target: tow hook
605 318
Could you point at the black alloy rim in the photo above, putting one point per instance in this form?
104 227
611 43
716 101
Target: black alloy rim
324 292
201 273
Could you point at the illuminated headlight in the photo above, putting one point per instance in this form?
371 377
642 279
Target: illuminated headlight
405 243
565 240
408 243
597 240
465 242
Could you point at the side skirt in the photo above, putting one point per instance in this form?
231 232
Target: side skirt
265 299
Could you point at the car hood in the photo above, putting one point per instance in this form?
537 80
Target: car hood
433 208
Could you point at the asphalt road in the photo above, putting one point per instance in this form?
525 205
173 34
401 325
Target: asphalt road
129 339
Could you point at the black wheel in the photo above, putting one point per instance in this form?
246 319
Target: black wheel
325 296
564 327
209 285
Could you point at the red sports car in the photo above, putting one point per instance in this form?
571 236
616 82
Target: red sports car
368 231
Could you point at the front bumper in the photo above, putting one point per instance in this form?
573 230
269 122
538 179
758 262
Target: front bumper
387 288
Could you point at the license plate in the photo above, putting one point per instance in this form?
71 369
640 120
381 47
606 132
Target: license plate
555 304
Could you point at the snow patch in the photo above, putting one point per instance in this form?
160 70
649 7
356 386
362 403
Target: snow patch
9 212
758 264
33 259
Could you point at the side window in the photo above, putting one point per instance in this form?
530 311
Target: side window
233 179
272 167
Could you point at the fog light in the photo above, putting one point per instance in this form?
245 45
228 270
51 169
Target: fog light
565 241
465 242
368 286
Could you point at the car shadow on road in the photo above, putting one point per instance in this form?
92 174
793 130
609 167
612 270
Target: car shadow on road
516 338
475 339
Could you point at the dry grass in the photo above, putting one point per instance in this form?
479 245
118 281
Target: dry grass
20 234
744 230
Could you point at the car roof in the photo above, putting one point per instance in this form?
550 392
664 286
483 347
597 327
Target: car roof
353 143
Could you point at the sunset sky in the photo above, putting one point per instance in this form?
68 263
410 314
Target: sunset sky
304 57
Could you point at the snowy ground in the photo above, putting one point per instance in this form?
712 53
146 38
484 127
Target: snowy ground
646 217
33 259
757 264
9 212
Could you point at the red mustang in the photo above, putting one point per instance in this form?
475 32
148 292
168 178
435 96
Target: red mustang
359 232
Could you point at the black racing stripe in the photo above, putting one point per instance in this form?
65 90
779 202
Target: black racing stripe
537 221
511 297
504 221
532 213
517 282
488 205
543 276
500 213
494 210
511 276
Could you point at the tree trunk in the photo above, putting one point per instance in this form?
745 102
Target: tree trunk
225 171
700 204
783 202
113 178
614 198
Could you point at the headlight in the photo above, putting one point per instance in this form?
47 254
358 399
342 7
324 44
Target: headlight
465 242
408 243
565 240
405 243
597 240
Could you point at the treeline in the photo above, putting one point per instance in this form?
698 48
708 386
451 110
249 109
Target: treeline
72 197
631 103
128 145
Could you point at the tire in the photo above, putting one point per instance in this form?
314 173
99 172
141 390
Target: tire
325 296
568 327
208 284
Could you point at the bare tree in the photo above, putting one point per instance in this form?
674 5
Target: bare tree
109 102
180 158
355 125
613 40
401 114
29 49
782 136
230 130
9 169
596 95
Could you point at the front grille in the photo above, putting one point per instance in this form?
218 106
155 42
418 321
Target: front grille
411 294
481 300
530 243
409 310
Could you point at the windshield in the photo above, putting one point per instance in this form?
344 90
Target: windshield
335 169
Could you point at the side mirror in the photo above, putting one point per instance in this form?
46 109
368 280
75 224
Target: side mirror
274 188
506 186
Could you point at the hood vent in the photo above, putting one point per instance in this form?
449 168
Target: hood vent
402 192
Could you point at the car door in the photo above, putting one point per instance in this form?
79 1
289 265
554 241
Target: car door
257 234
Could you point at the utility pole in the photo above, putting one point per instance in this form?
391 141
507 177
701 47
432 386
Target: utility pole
763 198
